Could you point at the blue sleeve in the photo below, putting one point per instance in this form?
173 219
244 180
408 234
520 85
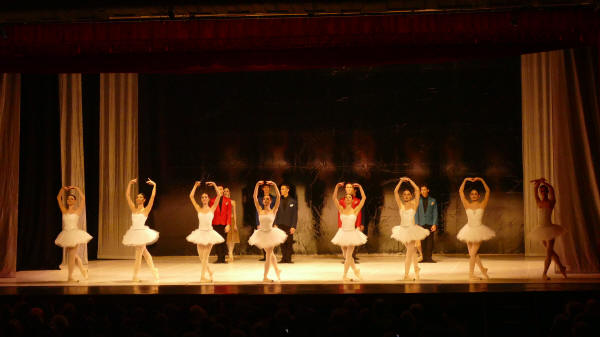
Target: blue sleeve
435 213
417 215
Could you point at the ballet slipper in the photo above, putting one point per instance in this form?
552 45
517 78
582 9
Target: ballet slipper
420 258
407 277
85 274
545 277
206 280
346 279
155 274
563 271
485 274
266 279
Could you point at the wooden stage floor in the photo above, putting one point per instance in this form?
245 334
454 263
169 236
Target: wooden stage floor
382 274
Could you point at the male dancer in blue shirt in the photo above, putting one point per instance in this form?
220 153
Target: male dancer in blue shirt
426 217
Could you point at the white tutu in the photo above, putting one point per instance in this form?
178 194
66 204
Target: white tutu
546 232
475 233
72 238
71 235
266 236
349 238
205 234
139 234
263 239
409 233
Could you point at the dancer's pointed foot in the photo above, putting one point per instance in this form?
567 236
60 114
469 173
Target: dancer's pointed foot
485 274
417 275
84 272
207 280
155 273
266 279
545 277
563 271
407 277
346 279
420 258
70 279
230 256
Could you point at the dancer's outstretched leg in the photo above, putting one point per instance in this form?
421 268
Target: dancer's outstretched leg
268 252
472 259
138 262
483 270
149 262
410 251
79 264
275 266
415 261
70 262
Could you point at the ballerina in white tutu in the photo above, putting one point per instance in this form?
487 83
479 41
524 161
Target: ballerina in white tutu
348 236
474 232
266 236
408 232
71 236
205 236
546 231
139 235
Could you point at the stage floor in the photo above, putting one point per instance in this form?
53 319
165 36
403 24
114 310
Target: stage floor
310 274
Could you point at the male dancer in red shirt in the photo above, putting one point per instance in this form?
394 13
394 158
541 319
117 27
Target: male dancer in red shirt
221 224
355 201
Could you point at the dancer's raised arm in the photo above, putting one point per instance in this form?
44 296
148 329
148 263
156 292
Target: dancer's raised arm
461 192
362 200
487 191
193 198
128 194
152 196
217 198
417 192
334 196
396 194
536 189
255 195
60 197
278 196
79 209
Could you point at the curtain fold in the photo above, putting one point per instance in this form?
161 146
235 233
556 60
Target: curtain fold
118 160
560 137
71 143
10 96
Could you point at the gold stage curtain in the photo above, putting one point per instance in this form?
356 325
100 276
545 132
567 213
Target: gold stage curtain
118 161
10 97
560 142
71 143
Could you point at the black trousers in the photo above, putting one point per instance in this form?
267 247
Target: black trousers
427 244
287 247
221 248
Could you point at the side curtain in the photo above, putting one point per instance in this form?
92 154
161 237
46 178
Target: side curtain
561 138
10 96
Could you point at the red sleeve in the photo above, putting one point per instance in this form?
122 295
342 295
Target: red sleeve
355 203
343 204
211 202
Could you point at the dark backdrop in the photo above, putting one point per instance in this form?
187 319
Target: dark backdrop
312 128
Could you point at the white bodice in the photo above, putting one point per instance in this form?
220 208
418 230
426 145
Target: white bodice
266 222
70 221
138 220
205 220
348 222
544 216
407 217
474 216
